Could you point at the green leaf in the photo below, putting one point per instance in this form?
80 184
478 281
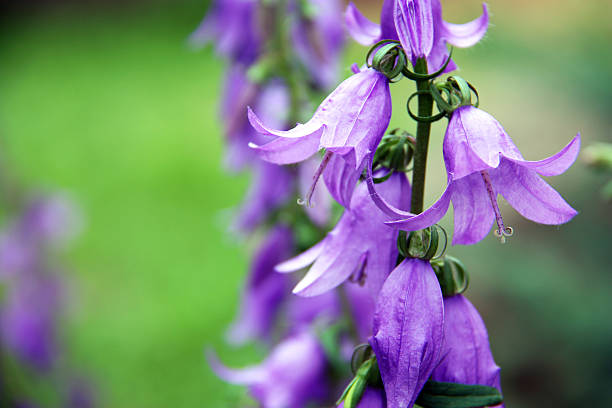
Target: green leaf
452 395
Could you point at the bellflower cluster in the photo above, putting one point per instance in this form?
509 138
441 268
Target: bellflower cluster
381 276
34 291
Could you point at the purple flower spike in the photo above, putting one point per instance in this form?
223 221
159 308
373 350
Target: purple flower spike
482 162
371 398
349 123
466 356
319 39
272 186
361 246
408 330
292 376
419 26
265 289
232 26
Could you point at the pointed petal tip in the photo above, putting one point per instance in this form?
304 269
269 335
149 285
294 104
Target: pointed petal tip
362 30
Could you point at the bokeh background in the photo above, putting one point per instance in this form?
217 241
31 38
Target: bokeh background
105 101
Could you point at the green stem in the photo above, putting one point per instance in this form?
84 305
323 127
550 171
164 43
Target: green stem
422 141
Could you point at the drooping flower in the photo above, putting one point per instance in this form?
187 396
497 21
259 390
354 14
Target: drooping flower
265 289
270 100
419 26
482 162
408 330
293 375
466 355
271 186
232 26
349 124
318 39
360 245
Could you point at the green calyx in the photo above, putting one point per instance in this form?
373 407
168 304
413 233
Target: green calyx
452 275
394 152
427 244
387 57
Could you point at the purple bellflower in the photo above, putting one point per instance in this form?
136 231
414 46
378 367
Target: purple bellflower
272 185
408 330
361 246
293 375
481 162
270 100
232 26
349 124
318 40
466 355
419 27
265 289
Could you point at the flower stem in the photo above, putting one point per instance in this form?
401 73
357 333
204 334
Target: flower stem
422 140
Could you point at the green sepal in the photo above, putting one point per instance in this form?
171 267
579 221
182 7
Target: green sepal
453 395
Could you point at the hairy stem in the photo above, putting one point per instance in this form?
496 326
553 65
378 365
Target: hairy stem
422 141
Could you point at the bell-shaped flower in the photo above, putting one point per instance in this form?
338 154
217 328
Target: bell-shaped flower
466 355
265 289
232 26
361 246
318 39
270 100
482 162
292 376
349 124
419 26
408 330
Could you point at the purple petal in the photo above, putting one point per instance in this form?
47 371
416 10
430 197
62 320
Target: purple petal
293 375
362 307
428 217
468 34
557 164
472 208
467 357
341 177
265 289
271 187
303 311
387 21
415 28
531 196
359 27
302 260
408 330
386 207
371 398
438 56
474 141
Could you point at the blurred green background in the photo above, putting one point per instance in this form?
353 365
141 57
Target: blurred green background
105 101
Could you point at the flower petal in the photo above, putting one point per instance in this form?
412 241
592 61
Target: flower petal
415 28
468 34
474 141
557 164
530 195
408 330
341 178
467 357
472 210
428 217
244 376
359 27
302 260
